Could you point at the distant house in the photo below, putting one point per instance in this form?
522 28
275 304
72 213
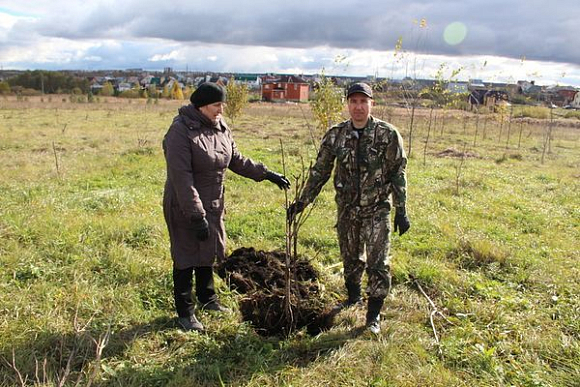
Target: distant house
576 101
476 84
457 87
484 97
561 96
285 88
526 85
124 86
146 80
220 80
253 81
513 90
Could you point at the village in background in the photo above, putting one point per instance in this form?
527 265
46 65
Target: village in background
280 88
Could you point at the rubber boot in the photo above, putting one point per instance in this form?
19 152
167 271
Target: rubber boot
204 289
373 314
354 297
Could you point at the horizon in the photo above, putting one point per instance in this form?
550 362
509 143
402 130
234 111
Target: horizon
313 74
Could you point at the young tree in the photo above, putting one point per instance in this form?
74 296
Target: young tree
237 98
176 92
409 85
4 88
152 91
165 93
107 90
327 104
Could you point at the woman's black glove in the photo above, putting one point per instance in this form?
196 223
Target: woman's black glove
279 180
402 222
201 228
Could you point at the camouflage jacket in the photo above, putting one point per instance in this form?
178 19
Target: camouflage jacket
368 171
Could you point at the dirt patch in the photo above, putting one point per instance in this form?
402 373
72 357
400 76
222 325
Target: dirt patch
452 152
260 277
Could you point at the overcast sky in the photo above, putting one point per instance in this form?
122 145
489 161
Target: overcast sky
493 40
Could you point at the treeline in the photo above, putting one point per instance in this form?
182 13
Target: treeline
48 82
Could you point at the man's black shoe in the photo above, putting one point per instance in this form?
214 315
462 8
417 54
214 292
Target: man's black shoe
347 304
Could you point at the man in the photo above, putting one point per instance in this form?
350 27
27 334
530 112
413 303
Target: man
369 161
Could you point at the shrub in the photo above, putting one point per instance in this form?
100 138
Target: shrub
4 88
26 92
133 93
176 92
572 114
107 90
531 111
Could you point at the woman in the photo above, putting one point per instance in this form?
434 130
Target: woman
198 149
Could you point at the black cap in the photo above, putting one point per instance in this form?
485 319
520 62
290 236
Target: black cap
208 93
359 87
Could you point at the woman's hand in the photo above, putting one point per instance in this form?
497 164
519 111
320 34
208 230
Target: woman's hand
279 180
201 228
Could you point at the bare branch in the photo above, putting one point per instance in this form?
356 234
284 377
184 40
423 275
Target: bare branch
434 312
15 368
101 343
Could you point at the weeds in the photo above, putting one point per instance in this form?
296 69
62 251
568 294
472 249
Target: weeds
498 259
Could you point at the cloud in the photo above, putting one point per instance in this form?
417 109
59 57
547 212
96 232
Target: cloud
173 55
494 27
273 35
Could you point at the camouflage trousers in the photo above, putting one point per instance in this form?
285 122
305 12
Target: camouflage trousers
364 245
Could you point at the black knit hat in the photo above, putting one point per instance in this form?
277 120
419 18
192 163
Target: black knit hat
208 93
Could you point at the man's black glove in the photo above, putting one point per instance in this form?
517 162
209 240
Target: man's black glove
279 180
294 209
201 228
402 222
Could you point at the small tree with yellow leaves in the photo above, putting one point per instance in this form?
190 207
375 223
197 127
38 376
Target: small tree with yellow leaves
176 92
327 104
237 98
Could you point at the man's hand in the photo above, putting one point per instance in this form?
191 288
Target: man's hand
279 180
201 228
294 209
402 222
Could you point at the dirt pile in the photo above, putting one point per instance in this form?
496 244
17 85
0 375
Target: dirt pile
260 277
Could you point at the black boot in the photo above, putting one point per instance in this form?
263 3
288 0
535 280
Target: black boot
182 287
373 314
354 297
183 304
204 289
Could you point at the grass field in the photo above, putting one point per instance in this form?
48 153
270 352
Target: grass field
85 272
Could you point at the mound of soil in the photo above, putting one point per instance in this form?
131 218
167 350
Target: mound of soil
260 277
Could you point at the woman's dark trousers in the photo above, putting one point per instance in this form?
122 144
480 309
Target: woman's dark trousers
182 287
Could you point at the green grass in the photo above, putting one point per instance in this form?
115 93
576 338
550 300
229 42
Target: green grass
84 255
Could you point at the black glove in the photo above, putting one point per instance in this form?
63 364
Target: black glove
201 228
402 222
294 209
279 180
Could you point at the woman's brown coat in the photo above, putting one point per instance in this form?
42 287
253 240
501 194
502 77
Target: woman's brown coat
197 154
